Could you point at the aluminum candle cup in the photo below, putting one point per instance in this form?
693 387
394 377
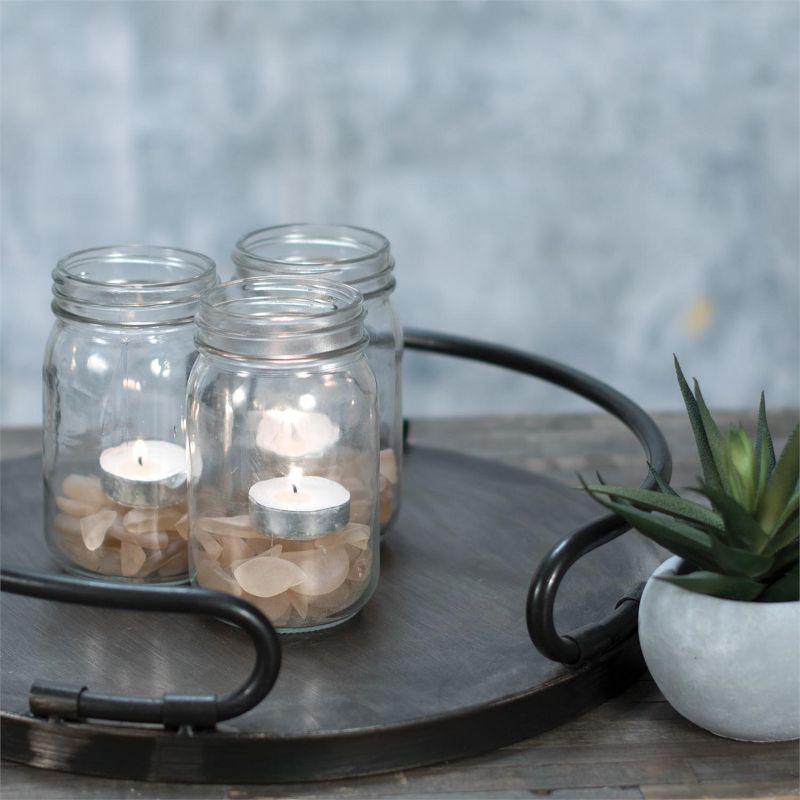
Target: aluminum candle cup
144 473
301 507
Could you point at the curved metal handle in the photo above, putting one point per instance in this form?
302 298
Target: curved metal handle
171 710
579 646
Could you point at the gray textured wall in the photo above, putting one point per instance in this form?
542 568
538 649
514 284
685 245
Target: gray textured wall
601 182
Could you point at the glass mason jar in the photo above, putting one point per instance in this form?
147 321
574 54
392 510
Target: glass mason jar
114 382
362 259
282 425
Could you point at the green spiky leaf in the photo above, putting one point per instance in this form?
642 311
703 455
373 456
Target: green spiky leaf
784 590
763 434
710 471
683 540
740 527
739 562
672 505
787 528
715 439
660 482
716 585
782 483
784 559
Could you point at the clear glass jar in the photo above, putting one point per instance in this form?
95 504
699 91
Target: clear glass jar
114 381
362 259
282 425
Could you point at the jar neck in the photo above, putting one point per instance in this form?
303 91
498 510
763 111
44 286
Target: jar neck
132 285
281 320
356 256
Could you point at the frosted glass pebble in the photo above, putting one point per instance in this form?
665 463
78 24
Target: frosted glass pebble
210 575
299 603
360 512
276 609
386 505
182 526
132 558
333 601
209 544
151 520
266 576
76 508
388 465
230 526
109 563
158 558
235 549
352 534
95 526
176 565
85 488
325 570
360 568
156 540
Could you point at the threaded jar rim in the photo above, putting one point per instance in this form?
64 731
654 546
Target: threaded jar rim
356 256
281 318
132 284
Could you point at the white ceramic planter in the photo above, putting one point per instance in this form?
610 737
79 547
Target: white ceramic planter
728 666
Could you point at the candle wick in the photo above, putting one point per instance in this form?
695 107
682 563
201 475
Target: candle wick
140 462
294 488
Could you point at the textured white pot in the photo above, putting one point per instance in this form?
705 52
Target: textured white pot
730 667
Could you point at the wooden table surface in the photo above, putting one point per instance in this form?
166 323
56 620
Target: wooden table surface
634 746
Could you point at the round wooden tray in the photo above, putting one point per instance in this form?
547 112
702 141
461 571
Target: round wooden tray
439 664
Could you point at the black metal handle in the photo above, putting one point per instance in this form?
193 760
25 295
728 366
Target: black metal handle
579 646
171 710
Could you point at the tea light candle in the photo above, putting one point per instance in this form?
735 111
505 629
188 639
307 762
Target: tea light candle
298 506
294 433
146 473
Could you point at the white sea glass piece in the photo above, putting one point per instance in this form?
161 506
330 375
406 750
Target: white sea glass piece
277 608
230 526
151 520
210 575
299 603
175 565
325 570
266 576
209 544
388 465
353 533
76 508
85 488
132 558
95 526
340 597
182 526
360 568
360 512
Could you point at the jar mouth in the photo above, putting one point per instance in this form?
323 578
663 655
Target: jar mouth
356 256
281 318
132 284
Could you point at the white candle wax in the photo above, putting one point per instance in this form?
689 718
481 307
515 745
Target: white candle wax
293 433
299 506
144 472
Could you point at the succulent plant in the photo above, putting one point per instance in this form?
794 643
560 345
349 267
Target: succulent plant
745 547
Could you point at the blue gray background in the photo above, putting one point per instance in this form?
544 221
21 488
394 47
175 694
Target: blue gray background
605 183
